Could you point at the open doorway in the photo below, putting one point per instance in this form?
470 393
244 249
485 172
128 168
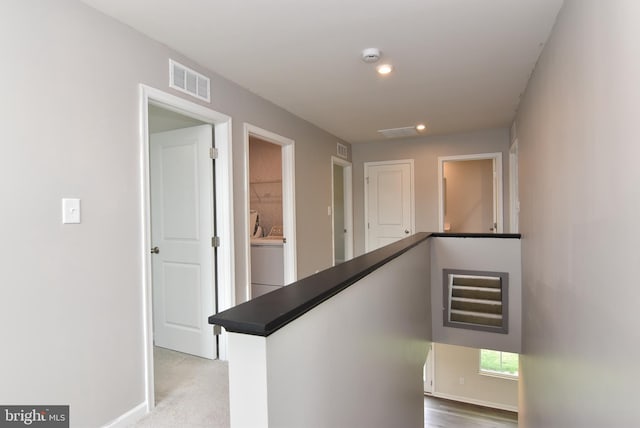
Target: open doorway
514 194
341 210
270 189
470 190
184 219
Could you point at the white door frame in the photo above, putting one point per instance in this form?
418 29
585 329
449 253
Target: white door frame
514 194
430 378
225 291
497 167
366 195
288 201
348 208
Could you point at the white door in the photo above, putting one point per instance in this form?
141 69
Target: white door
389 202
182 225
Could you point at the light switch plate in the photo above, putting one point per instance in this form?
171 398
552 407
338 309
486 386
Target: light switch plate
70 211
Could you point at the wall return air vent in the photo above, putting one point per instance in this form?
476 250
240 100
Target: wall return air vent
189 81
476 300
342 151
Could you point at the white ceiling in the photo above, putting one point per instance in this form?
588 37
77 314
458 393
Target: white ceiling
460 65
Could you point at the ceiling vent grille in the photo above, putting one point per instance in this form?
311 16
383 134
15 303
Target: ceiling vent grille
189 81
407 131
343 151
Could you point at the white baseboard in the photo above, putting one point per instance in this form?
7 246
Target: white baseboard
476 402
128 418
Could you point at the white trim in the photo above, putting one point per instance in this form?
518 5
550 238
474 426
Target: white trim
366 195
348 208
430 372
129 418
491 404
288 201
491 373
514 193
225 286
497 165
505 376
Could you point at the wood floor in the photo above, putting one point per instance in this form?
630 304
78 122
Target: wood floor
441 413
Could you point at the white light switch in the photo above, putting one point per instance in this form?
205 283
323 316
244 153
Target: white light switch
70 211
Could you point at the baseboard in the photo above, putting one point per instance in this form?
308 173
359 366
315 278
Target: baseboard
476 402
128 418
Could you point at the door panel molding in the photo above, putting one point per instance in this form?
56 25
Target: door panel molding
182 224
367 167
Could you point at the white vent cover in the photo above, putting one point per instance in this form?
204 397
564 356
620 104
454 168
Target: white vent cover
189 81
343 151
407 131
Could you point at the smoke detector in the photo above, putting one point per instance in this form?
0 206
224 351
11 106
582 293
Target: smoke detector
371 55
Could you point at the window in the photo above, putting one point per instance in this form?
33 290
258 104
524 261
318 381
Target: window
476 300
498 363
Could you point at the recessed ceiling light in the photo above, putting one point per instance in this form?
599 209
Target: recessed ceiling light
384 68
421 127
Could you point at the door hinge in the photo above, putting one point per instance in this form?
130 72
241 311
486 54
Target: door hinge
217 330
368 225
213 153
367 178
215 241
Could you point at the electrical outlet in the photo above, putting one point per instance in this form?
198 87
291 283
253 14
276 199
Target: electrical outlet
461 381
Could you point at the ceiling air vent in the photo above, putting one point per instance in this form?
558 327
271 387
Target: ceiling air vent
407 131
189 81
343 151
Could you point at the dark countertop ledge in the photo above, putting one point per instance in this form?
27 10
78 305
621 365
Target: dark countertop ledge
266 314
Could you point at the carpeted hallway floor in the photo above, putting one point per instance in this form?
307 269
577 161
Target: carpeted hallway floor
190 392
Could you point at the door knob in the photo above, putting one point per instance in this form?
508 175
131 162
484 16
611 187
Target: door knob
406 231
155 250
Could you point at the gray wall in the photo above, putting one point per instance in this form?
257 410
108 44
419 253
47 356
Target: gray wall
425 151
580 197
358 357
477 254
71 295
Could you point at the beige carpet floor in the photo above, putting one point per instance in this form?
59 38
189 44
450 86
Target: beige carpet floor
190 392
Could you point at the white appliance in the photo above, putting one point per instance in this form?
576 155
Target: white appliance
267 258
